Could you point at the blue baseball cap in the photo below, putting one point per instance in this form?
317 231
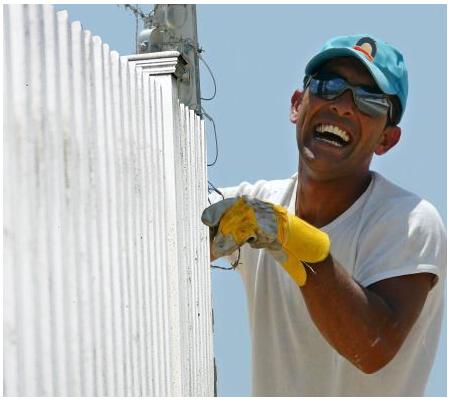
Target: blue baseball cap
384 62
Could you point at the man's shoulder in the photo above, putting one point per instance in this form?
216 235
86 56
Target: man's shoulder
268 190
386 189
401 234
389 199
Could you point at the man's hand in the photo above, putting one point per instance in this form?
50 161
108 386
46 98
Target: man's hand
288 238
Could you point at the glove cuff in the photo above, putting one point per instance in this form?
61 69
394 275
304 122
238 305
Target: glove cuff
305 241
302 240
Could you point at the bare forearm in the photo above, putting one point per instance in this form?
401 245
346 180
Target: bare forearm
355 321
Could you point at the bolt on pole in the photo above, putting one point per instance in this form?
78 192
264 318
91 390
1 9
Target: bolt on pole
174 27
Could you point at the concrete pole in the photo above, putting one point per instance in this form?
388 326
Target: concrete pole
174 27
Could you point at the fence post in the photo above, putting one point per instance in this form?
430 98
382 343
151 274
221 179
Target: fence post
184 183
159 75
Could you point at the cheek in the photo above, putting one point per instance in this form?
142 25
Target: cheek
307 110
373 128
312 103
371 142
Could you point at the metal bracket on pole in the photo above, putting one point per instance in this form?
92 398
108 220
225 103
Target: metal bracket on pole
173 27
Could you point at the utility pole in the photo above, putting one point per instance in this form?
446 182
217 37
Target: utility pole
174 27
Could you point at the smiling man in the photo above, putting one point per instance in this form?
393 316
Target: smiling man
344 271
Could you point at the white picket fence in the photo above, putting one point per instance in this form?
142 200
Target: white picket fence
106 265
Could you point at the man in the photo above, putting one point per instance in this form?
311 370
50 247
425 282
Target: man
344 271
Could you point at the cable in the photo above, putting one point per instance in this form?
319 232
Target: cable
135 10
224 268
212 188
136 32
212 233
233 265
212 76
138 13
215 135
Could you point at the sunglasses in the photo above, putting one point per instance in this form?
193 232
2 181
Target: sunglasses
369 100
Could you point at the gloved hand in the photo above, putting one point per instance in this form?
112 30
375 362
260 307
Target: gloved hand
290 240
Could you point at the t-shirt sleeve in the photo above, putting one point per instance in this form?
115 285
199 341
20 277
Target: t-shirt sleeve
401 239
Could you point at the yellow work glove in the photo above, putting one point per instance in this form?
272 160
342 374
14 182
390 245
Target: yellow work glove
290 240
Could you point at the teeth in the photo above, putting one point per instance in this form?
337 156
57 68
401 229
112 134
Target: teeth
335 130
330 142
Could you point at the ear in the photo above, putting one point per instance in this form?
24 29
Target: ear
296 100
388 139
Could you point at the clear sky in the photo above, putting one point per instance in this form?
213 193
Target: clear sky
257 54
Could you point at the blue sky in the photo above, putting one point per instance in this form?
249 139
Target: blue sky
257 54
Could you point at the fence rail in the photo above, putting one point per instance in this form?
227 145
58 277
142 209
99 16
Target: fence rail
106 269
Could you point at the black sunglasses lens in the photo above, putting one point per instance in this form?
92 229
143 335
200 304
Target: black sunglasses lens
334 88
328 89
374 106
368 102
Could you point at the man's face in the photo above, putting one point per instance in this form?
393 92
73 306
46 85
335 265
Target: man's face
315 116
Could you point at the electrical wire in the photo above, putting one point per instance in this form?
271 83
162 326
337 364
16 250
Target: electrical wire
212 232
138 14
212 188
212 76
233 265
136 33
203 112
135 10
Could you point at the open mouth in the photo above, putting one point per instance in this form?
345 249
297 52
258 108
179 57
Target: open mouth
331 134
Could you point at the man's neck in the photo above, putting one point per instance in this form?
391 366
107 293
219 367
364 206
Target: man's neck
320 202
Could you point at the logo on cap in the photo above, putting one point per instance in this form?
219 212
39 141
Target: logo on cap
367 46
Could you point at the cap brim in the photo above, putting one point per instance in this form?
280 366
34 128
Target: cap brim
329 54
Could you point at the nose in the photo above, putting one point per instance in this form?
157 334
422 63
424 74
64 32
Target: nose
344 105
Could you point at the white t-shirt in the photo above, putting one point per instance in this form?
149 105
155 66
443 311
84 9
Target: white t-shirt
387 232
